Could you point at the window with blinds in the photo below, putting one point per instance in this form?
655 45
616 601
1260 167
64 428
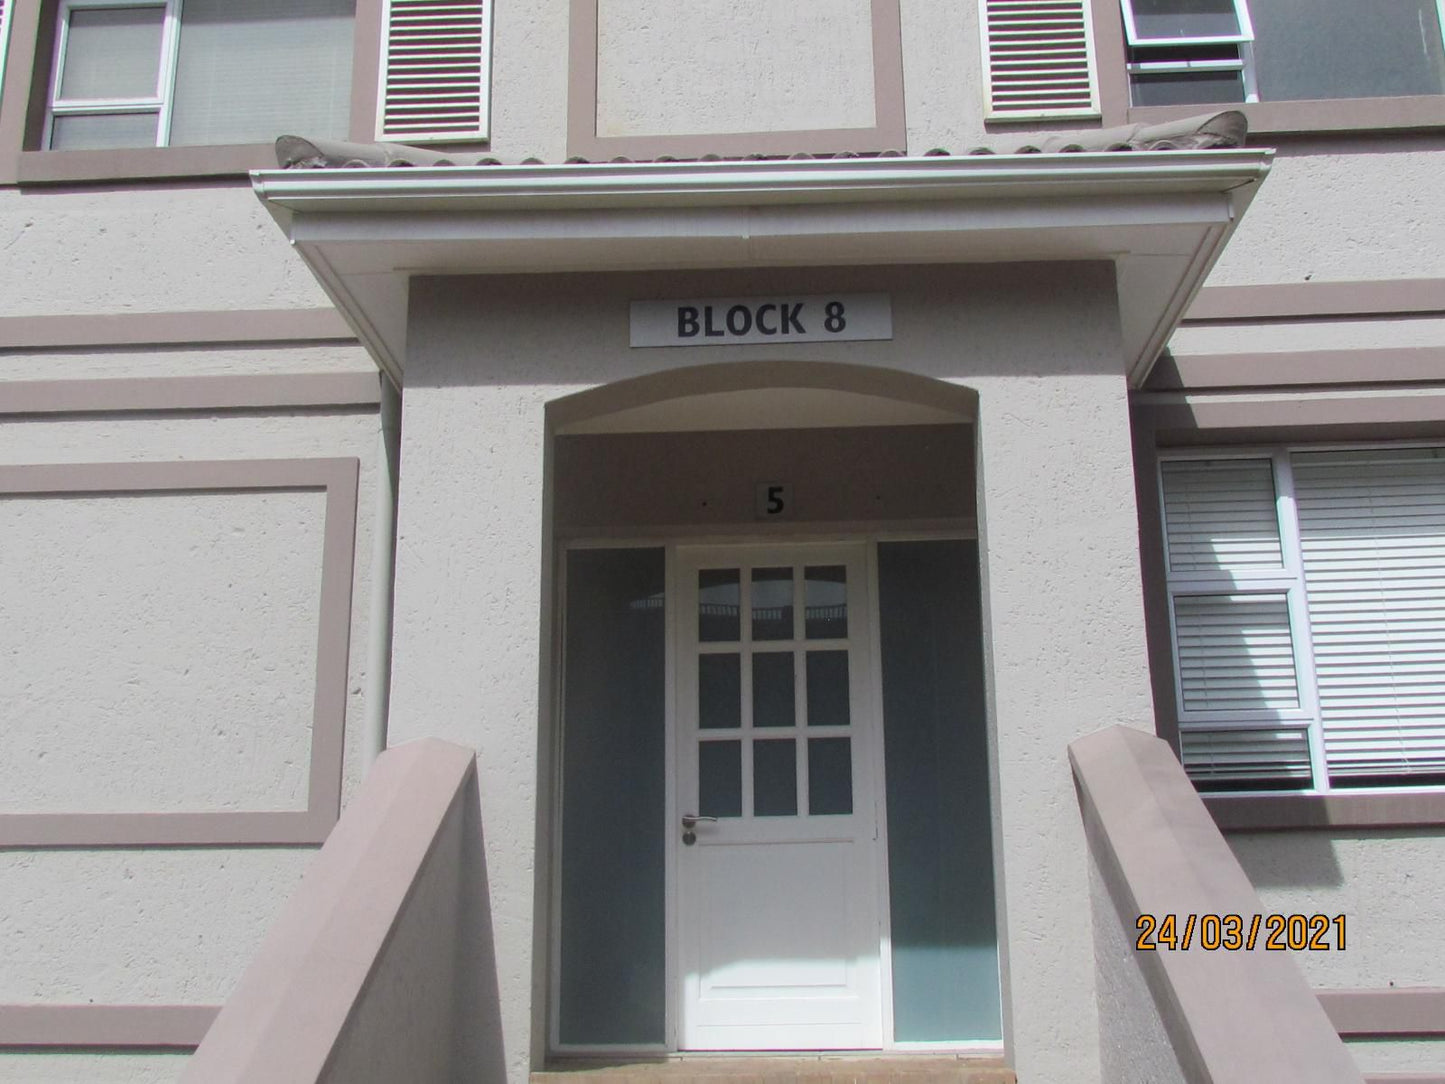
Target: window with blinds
156 73
1307 601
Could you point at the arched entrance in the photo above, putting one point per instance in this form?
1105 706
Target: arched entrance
774 818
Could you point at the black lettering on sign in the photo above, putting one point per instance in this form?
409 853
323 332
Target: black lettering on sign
835 321
791 323
687 325
762 310
740 319
707 328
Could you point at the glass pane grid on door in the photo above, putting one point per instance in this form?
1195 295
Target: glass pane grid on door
773 690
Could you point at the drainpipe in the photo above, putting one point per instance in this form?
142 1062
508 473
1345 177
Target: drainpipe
383 575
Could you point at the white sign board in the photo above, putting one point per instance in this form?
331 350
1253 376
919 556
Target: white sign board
735 321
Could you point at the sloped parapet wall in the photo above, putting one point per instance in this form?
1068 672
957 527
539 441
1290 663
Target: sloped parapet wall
1192 1014
380 967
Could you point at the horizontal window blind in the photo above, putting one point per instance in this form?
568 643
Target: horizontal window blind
1213 754
436 59
1220 514
1235 653
1039 59
1372 543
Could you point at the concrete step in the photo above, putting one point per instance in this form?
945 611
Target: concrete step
780 1069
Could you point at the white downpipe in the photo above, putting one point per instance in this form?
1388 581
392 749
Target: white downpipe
383 571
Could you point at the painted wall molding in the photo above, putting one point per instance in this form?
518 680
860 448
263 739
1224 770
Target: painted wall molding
338 478
105 1026
1302 300
164 393
173 328
1387 1012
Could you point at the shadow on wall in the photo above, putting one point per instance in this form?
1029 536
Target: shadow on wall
1288 860
477 1027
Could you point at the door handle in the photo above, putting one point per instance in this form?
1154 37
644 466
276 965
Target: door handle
689 822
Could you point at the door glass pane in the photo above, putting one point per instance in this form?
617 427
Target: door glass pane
720 778
1171 19
718 602
775 778
830 776
828 688
614 797
719 692
825 602
102 131
772 604
113 53
773 688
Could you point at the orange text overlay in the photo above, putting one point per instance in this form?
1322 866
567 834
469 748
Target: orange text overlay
1232 933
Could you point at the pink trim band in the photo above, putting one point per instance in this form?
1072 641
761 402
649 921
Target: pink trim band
189 393
111 1026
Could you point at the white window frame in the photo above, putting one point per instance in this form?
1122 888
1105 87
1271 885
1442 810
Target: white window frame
1241 16
1242 62
6 7
158 104
1288 580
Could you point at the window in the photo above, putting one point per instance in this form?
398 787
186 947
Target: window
157 73
1307 605
1223 51
5 6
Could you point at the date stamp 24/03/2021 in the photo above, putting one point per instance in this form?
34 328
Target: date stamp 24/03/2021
1233 933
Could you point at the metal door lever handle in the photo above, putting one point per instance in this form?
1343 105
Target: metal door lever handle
692 820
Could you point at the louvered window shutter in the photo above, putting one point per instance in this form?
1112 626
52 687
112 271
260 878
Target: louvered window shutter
435 71
1039 59
1372 542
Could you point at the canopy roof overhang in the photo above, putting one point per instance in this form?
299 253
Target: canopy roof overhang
1161 217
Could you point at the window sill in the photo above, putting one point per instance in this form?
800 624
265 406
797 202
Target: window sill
143 163
1332 115
1277 812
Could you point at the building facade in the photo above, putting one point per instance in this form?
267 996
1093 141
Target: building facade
768 436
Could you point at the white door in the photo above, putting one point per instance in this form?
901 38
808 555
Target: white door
778 928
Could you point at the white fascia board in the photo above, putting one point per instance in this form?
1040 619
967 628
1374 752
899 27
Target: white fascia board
1161 216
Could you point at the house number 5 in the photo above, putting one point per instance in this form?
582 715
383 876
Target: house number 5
774 500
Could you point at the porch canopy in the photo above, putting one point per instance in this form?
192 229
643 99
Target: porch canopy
1161 213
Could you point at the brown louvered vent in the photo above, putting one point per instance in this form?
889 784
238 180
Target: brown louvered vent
435 78
1039 59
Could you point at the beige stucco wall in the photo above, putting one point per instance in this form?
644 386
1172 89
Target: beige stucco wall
680 67
1387 884
1040 346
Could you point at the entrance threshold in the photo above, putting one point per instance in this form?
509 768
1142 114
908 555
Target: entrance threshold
813 1068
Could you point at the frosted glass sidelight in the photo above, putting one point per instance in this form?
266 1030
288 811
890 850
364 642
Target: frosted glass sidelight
940 843
613 799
